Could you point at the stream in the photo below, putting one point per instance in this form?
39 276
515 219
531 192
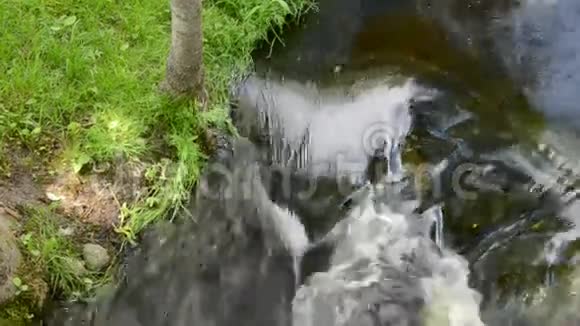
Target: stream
399 163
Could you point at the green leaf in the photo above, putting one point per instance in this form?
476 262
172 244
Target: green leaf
74 127
152 201
80 162
70 20
284 5
17 282
249 14
124 47
26 238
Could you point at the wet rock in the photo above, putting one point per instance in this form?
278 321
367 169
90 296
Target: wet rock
96 257
10 257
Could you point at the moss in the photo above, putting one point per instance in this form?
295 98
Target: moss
18 312
28 304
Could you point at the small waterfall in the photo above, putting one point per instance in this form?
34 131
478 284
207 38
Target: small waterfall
386 269
435 214
331 131
554 248
288 228
550 277
439 228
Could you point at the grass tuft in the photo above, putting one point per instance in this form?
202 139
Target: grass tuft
84 75
56 256
114 134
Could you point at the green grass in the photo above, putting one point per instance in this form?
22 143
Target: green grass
57 257
52 267
85 74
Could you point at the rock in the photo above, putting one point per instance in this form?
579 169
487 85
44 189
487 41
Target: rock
53 197
67 232
10 257
96 257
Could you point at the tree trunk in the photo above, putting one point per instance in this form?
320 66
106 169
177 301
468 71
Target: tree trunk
184 76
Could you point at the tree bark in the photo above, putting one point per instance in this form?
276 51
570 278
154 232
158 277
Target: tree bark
184 76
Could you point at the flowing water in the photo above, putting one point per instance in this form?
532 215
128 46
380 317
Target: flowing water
399 163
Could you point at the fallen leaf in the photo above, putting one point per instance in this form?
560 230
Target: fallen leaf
69 20
53 197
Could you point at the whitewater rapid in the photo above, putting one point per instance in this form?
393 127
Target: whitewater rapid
386 269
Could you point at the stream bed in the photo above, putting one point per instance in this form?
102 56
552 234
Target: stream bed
400 163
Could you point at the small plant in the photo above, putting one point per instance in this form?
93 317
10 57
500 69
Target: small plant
57 256
20 286
16 313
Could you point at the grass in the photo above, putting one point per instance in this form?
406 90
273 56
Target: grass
79 86
79 82
57 256
52 267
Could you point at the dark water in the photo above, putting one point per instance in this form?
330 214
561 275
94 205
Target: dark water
508 66
401 163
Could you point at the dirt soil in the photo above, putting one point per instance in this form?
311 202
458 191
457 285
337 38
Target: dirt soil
93 198
88 204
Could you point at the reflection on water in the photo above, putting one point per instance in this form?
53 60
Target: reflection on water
546 35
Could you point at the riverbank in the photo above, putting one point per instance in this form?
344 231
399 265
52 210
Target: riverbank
89 145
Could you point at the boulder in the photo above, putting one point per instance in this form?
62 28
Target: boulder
96 257
10 256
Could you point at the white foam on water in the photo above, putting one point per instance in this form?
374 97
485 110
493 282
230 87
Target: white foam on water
329 131
435 213
449 300
559 242
293 234
286 225
384 262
